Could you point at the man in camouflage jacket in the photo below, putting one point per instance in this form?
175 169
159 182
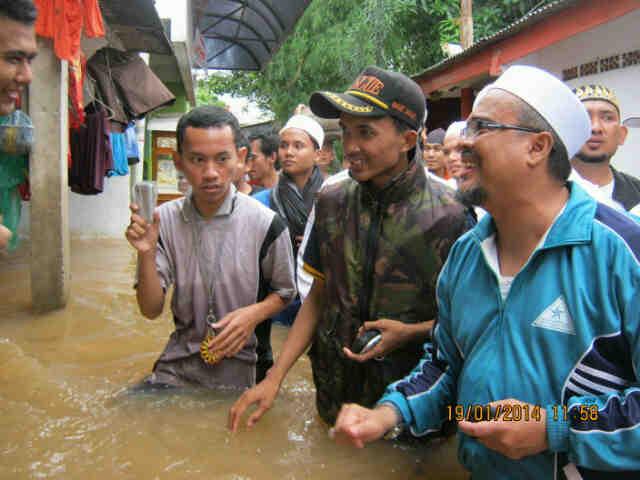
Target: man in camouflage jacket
377 245
379 253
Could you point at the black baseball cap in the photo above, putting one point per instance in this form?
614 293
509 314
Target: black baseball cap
375 93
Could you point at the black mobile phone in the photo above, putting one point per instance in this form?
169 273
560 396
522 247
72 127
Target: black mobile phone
366 341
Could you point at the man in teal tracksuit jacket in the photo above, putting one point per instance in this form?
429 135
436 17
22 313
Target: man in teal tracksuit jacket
559 345
536 352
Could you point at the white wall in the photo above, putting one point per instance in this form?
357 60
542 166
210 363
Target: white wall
176 10
103 215
92 216
616 37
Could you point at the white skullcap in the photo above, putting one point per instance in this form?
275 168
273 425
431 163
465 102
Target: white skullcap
309 125
455 129
551 98
482 93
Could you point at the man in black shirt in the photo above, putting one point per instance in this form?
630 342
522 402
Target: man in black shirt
607 133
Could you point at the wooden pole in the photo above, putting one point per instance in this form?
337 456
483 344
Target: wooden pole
466 23
466 39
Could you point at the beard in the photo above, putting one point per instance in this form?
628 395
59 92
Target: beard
592 158
476 195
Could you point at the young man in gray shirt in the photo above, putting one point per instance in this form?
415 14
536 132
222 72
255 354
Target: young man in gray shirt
228 257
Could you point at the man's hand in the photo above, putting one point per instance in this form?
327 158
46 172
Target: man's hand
263 394
395 334
143 236
358 425
5 235
512 439
234 331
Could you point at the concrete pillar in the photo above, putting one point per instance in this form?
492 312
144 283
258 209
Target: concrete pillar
48 107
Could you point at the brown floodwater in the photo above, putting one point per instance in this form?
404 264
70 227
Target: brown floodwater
64 412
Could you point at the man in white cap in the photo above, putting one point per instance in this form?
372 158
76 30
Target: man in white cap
537 345
292 198
300 141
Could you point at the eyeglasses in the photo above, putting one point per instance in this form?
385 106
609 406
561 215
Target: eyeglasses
476 126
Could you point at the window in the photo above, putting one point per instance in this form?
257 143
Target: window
163 170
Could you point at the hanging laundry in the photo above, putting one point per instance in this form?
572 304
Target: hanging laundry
77 69
127 85
133 151
45 22
91 151
64 21
93 23
119 150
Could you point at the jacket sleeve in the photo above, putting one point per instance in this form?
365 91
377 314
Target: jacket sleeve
422 396
601 431
598 432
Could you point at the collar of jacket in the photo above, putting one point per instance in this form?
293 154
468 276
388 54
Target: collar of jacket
573 227
399 188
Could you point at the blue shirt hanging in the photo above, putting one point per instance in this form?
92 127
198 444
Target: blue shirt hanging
119 149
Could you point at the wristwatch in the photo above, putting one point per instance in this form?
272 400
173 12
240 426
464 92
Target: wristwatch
398 428
394 432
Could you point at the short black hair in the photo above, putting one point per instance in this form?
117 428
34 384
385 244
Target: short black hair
245 143
209 116
269 142
23 11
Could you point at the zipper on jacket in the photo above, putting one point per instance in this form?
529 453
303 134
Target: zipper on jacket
370 254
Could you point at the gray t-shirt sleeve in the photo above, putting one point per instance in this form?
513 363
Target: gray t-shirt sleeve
277 263
164 265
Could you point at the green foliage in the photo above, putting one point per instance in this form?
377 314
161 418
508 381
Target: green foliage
336 39
206 96
489 16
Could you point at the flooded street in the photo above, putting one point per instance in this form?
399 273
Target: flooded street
65 412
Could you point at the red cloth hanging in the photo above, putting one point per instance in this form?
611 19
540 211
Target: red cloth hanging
93 23
45 22
64 20
77 69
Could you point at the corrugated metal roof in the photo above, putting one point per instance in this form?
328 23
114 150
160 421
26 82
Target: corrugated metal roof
137 25
245 34
529 19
